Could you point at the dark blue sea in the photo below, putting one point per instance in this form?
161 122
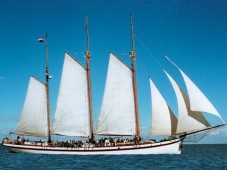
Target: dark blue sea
192 157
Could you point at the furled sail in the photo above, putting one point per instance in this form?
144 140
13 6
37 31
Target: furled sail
198 101
33 119
72 111
164 121
117 115
187 120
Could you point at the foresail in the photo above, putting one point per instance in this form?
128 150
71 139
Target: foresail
198 101
164 122
71 117
117 115
33 119
187 120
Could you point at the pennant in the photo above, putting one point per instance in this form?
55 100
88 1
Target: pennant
41 39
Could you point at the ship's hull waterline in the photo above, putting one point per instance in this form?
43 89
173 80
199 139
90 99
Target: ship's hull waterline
166 147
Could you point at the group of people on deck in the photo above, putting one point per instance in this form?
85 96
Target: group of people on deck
88 143
98 143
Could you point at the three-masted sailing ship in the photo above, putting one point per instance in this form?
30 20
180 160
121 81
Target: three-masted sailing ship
119 115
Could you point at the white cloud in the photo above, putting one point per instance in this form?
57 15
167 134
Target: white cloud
225 130
8 118
3 131
220 131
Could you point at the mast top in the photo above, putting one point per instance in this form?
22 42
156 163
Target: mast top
88 41
133 55
47 52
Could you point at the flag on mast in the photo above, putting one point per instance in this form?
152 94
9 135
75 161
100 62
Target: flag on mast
41 39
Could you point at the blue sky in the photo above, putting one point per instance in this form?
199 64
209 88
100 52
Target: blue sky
192 33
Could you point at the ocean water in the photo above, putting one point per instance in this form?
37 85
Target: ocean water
192 157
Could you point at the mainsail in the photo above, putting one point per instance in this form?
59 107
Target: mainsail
72 111
164 121
187 120
117 115
33 119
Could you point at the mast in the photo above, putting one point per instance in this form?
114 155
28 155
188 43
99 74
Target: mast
133 58
47 92
89 81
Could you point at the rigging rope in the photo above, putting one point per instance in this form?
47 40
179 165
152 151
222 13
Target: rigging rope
143 67
124 54
154 44
149 52
78 53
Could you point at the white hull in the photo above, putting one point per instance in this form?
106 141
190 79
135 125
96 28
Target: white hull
167 147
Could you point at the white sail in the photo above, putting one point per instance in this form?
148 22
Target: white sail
71 117
164 121
198 101
33 119
187 120
117 115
